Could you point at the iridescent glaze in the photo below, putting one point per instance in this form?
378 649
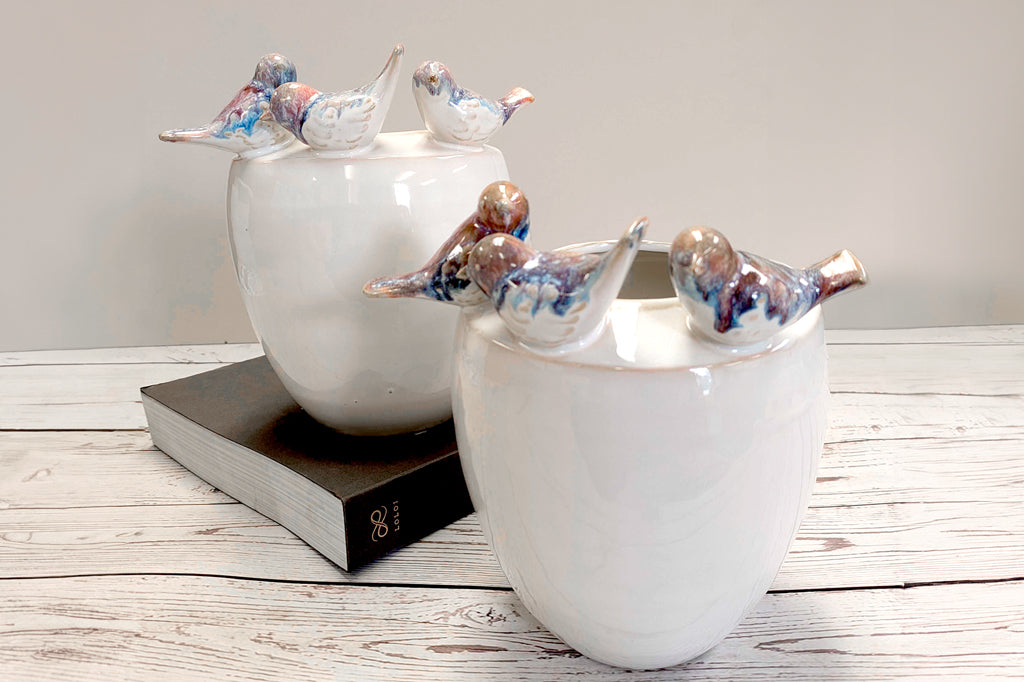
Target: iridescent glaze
245 125
552 301
340 121
455 115
739 298
502 208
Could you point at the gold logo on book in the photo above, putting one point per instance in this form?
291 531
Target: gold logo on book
380 528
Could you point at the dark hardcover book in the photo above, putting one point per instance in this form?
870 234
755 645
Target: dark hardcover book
352 498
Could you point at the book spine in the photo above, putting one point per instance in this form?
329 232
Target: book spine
405 509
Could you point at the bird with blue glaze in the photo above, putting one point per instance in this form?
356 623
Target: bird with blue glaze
338 121
553 301
454 115
502 208
738 298
245 125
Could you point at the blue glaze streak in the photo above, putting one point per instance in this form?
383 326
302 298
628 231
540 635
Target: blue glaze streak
248 117
459 95
786 293
570 280
523 229
305 114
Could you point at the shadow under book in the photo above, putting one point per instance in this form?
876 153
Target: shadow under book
352 498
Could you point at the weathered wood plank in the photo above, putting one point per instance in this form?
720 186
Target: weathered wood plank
922 482
836 547
901 544
234 352
170 627
906 368
873 416
47 469
124 415
93 402
87 384
220 539
940 368
981 334
890 542
37 394
82 396
926 470
57 469
195 354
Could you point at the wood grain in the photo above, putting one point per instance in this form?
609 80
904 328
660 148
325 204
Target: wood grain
920 470
170 627
980 334
70 469
956 369
61 401
880 416
124 468
866 545
235 352
82 396
195 354
116 563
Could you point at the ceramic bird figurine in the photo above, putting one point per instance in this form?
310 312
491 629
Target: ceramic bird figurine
552 301
245 125
502 208
338 121
457 116
738 298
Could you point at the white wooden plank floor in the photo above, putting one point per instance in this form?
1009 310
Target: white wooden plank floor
116 563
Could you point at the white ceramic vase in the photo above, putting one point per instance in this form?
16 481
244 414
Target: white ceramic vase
640 494
307 230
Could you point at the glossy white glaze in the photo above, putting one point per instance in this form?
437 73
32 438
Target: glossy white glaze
640 494
307 232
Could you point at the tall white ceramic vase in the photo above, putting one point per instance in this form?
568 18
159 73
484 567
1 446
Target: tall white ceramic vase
640 494
309 228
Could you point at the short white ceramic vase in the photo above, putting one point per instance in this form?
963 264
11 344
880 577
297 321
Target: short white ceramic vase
308 229
641 493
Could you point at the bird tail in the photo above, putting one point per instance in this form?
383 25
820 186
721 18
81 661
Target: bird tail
387 79
515 98
619 260
201 135
838 273
413 285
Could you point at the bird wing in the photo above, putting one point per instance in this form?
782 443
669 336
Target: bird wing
473 119
240 115
243 125
531 311
558 284
340 121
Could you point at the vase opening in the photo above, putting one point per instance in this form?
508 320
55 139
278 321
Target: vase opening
648 277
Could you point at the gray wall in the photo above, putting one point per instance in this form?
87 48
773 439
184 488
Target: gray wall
895 129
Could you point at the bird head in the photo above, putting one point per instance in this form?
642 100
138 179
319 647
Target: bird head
495 256
503 207
274 70
702 254
434 76
288 105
